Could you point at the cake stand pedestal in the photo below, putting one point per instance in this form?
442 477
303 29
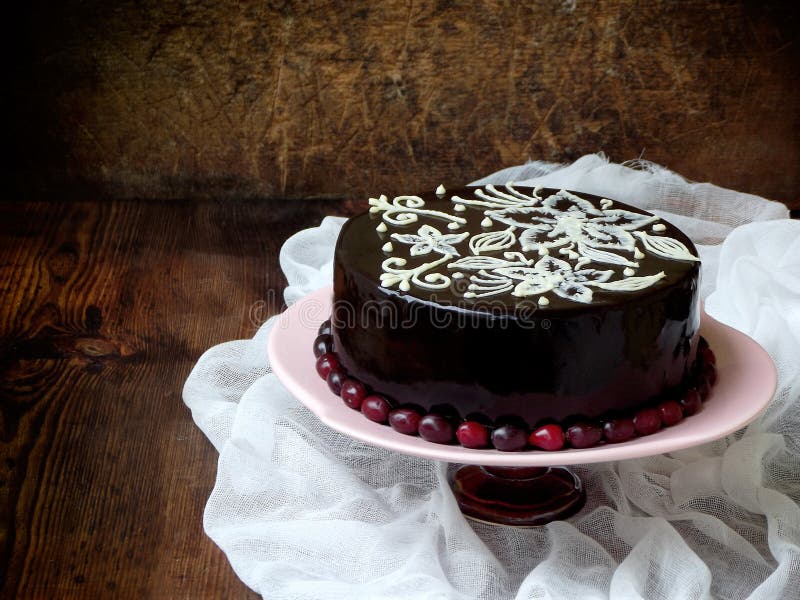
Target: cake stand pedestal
532 487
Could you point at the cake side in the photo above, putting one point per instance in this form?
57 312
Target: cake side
591 317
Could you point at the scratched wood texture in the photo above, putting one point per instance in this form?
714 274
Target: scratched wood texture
197 98
105 308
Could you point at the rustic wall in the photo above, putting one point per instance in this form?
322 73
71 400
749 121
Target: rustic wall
197 98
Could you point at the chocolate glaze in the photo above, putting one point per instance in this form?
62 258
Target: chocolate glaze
506 355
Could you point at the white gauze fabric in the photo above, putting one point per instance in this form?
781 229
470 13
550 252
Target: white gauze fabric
304 512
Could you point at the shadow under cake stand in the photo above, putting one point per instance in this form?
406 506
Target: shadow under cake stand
531 487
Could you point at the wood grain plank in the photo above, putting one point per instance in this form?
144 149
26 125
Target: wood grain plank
106 307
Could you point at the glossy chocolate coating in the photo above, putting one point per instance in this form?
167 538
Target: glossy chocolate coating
505 354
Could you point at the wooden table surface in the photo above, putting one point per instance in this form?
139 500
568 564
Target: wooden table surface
106 306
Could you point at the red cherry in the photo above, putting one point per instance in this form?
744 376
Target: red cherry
707 356
671 412
710 373
584 434
376 408
647 421
436 428
472 434
353 393
619 430
548 437
335 380
691 402
326 363
405 420
323 344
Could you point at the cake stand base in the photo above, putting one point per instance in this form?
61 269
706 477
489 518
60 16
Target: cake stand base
518 496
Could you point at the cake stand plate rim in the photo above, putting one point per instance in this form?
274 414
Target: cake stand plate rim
746 384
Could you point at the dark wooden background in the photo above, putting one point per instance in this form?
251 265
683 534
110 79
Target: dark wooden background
183 99
162 151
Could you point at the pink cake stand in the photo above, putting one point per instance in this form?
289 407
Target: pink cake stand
532 487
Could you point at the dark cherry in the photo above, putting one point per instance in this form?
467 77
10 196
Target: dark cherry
584 434
323 345
448 411
671 412
376 408
547 437
480 418
325 328
335 380
708 357
510 438
353 393
405 420
514 420
710 372
326 363
702 343
619 429
472 434
691 402
436 428
647 421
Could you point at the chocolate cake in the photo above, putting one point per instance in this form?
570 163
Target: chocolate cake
512 307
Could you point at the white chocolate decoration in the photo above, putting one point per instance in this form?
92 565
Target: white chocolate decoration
513 252
381 227
440 191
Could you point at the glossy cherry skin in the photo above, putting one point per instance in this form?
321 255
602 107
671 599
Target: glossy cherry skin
376 408
472 434
335 380
436 428
325 328
691 402
647 421
548 437
326 363
353 393
510 438
405 420
671 412
619 430
584 434
323 344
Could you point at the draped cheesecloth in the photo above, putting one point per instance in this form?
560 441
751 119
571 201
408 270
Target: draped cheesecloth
302 511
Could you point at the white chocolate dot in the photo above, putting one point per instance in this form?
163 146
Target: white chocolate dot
487 222
381 227
544 251
459 208
659 227
543 301
638 254
387 247
628 272
458 275
440 191
453 225
404 285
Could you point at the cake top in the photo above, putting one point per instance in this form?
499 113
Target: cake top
508 243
